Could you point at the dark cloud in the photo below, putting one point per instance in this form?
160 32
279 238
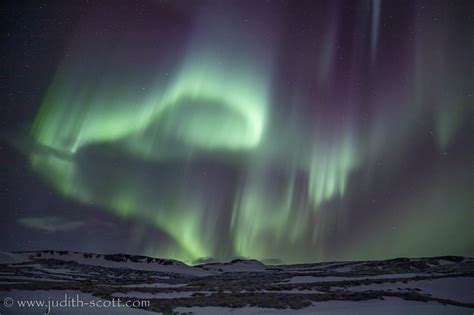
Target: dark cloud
51 224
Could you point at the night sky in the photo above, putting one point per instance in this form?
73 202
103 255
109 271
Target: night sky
285 131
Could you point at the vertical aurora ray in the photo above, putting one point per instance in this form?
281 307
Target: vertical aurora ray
376 7
329 170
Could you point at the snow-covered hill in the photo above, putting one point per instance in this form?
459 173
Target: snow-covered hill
238 265
134 262
438 285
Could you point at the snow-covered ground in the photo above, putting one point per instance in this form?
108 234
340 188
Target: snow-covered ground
387 307
311 279
155 285
131 262
439 285
236 266
457 289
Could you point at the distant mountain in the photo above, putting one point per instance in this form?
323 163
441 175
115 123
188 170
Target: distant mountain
135 262
236 265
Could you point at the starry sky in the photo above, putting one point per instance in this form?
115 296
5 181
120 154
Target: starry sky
285 131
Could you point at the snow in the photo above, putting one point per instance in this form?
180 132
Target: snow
154 285
295 291
160 295
443 262
237 266
36 278
311 267
391 306
11 282
312 279
456 289
12 258
176 267
344 269
98 260
60 271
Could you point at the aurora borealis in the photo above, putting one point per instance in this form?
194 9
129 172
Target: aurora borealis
286 130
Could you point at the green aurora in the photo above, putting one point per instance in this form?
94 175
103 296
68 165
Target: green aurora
211 144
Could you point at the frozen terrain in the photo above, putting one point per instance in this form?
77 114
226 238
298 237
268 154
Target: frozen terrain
438 285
